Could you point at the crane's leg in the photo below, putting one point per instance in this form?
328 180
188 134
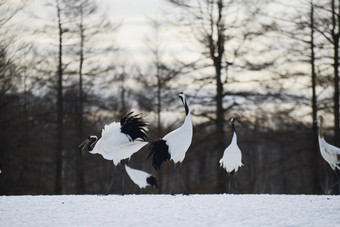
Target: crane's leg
236 186
123 176
113 178
337 173
173 180
180 175
128 161
228 183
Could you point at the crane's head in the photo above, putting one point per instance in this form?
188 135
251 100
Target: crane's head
319 119
152 182
182 96
89 142
232 120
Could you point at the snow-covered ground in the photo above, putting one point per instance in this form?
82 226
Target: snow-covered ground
166 210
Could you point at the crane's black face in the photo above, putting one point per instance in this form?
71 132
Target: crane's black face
89 143
152 182
233 121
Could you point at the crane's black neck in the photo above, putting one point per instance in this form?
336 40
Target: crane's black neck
233 126
92 142
320 127
185 105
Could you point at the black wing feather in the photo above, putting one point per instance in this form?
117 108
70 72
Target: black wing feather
152 181
134 126
160 153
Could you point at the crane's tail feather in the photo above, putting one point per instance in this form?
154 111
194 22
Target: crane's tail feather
159 151
151 180
133 126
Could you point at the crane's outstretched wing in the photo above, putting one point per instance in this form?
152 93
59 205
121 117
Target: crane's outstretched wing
141 178
133 126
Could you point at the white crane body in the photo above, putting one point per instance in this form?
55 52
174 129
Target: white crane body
179 140
232 156
330 153
119 141
174 145
116 146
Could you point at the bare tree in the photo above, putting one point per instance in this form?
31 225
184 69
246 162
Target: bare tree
329 27
60 112
156 82
224 37
335 34
88 62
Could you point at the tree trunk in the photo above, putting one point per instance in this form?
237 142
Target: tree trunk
336 93
336 36
79 155
159 109
313 76
217 59
58 182
315 151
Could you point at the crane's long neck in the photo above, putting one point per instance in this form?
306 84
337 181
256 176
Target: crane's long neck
320 128
187 122
234 139
233 126
187 111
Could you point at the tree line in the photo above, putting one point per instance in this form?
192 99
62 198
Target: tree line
273 67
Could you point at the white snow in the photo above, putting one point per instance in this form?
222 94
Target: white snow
167 210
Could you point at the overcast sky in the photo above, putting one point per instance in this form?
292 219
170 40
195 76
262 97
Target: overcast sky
133 16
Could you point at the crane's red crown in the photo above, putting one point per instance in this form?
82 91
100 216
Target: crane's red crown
181 93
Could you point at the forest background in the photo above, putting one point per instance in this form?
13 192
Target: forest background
66 71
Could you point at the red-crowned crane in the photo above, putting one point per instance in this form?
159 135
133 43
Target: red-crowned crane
174 146
141 178
118 142
329 152
232 157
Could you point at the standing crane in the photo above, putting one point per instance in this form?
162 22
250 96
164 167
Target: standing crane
330 153
174 146
119 141
232 157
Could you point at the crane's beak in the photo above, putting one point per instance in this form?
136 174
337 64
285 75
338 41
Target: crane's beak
84 144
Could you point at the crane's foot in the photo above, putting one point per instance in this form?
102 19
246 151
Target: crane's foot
335 184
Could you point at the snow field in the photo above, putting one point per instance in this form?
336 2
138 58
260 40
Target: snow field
167 210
